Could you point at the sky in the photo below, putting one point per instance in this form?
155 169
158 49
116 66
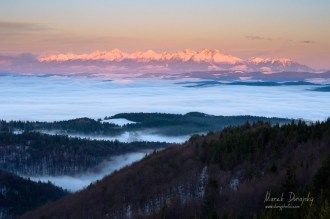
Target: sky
295 29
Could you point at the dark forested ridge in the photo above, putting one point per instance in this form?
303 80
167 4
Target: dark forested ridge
159 123
196 84
322 89
33 154
80 125
225 174
190 123
18 195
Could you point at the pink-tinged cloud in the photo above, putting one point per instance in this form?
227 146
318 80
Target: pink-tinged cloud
214 68
266 70
4 63
240 68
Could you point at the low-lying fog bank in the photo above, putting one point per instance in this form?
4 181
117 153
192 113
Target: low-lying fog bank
78 182
119 121
128 137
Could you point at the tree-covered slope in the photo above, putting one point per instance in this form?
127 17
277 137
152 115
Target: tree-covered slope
33 154
225 174
18 195
190 123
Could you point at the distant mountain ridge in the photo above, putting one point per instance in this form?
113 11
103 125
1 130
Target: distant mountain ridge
211 59
146 64
116 55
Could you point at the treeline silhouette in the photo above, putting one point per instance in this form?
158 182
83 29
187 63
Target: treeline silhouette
80 125
224 174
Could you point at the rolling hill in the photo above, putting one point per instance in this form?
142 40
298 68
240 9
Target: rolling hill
227 174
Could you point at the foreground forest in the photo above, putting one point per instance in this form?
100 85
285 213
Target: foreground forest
18 195
226 174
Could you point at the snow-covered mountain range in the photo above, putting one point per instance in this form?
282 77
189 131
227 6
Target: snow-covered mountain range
116 64
181 61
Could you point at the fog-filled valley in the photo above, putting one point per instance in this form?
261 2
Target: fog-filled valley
77 182
128 137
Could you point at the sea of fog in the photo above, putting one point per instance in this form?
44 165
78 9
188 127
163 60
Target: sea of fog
55 98
81 181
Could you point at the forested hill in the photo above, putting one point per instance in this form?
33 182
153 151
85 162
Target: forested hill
225 174
80 125
159 123
36 154
190 123
18 195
